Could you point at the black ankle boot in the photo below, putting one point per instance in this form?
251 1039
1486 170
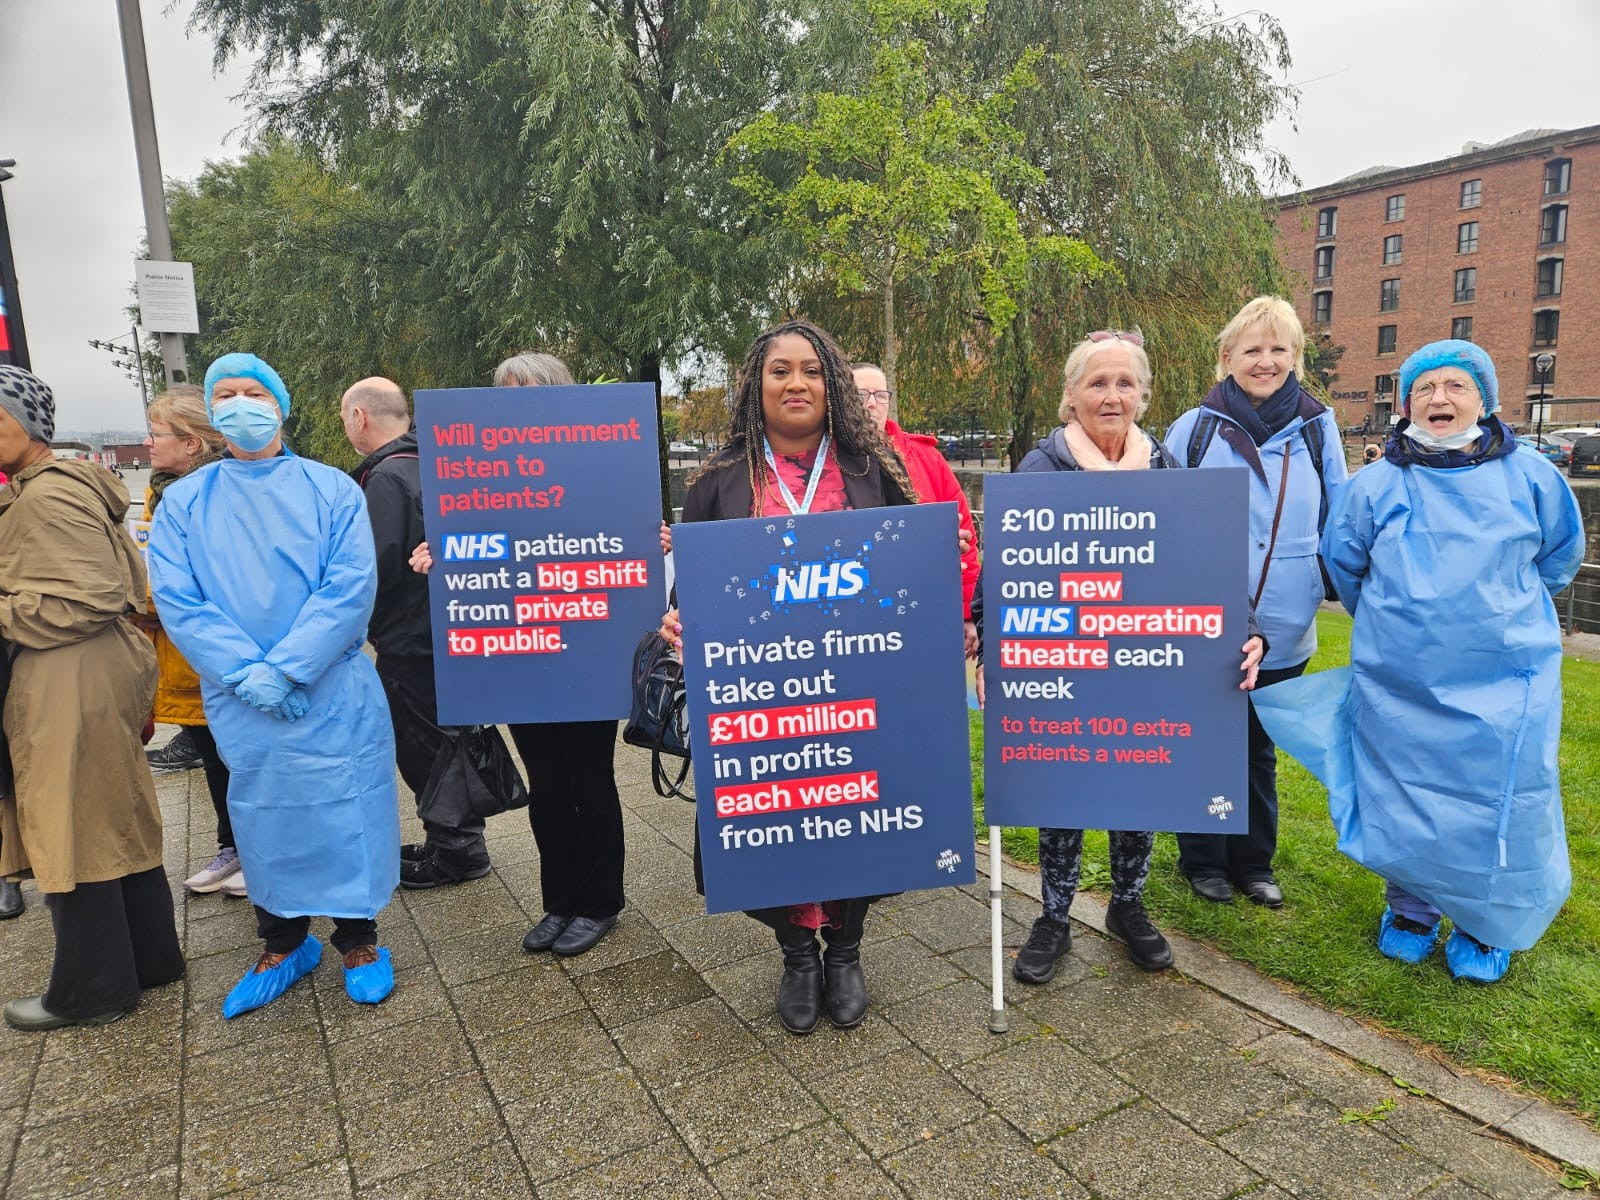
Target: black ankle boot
800 989
843 982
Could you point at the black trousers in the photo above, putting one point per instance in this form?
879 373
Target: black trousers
283 935
414 712
1248 856
576 814
216 780
113 939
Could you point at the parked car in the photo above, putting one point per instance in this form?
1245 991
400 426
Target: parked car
682 448
1557 452
1585 459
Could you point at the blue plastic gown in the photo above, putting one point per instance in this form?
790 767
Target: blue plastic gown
273 561
1438 745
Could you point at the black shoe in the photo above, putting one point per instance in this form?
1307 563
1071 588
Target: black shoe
413 852
544 935
10 899
430 873
31 1014
844 985
1146 946
1265 892
1041 953
581 934
1213 888
178 754
800 989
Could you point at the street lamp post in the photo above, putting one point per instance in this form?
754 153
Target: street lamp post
1542 364
131 361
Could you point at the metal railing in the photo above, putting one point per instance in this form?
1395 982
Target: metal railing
1579 604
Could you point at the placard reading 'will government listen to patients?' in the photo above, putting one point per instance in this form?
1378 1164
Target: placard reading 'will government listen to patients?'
1114 615
543 511
827 710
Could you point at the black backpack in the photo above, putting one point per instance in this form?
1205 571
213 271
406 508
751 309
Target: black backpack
657 721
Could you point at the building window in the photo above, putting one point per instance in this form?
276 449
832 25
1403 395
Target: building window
1321 307
1553 225
1466 284
1391 250
1471 193
1534 377
1549 280
1389 295
1383 385
1386 338
1325 262
1546 324
1467 237
1327 222
1394 208
1558 176
1461 328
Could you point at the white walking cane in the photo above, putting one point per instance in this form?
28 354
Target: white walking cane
997 1006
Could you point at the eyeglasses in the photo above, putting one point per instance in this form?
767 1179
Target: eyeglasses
164 433
1453 388
1132 336
876 394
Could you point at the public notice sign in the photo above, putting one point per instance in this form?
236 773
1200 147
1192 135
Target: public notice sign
543 511
1115 607
826 697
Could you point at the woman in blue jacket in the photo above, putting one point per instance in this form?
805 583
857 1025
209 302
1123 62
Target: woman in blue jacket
1258 417
1447 552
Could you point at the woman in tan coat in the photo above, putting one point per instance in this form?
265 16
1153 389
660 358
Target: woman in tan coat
82 815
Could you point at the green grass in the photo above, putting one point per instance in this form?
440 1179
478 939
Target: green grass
1540 1025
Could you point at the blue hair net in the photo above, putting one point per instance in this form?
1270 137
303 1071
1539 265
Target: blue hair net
246 366
1468 357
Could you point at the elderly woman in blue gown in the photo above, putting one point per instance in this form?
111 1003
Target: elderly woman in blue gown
1441 759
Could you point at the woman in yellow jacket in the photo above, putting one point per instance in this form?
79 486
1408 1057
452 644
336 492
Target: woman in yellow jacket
181 440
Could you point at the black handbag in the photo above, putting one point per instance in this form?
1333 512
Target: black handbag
473 777
657 721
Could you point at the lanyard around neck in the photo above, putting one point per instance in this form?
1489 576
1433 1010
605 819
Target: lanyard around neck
811 484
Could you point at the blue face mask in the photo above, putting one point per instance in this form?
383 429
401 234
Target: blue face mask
248 424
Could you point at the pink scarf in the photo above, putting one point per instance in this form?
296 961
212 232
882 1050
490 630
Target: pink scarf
1135 450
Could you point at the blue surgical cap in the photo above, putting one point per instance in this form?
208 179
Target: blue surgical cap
246 366
1469 357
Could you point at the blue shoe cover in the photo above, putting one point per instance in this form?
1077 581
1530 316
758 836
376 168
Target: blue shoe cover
1476 963
372 983
256 990
1401 945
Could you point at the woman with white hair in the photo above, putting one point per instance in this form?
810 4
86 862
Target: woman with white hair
1258 417
1447 553
1107 389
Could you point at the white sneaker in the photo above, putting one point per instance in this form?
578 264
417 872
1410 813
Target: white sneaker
209 877
233 885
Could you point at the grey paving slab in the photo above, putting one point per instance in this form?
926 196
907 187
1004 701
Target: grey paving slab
655 1065
819 1163
978 1161
1141 1151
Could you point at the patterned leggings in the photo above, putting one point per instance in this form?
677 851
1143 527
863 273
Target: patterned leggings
1061 856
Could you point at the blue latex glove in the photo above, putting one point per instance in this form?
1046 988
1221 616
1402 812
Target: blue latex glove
294 706
263 686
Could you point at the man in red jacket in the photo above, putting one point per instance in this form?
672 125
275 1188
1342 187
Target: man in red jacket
931 475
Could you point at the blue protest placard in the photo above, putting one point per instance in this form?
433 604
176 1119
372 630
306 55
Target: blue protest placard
1114 609
543 511
827 711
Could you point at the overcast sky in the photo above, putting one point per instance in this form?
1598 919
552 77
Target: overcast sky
1382 81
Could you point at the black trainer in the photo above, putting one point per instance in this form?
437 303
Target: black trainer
429 874
1041 953
1146 946
179 754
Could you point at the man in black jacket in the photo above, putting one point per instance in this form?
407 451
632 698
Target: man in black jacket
379 426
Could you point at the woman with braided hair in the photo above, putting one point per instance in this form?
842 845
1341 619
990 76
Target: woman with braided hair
800 430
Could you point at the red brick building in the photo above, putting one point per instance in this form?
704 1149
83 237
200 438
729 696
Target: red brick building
1500 245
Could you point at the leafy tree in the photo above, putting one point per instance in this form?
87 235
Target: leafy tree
1148 129
904 176
1322 362
559 160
